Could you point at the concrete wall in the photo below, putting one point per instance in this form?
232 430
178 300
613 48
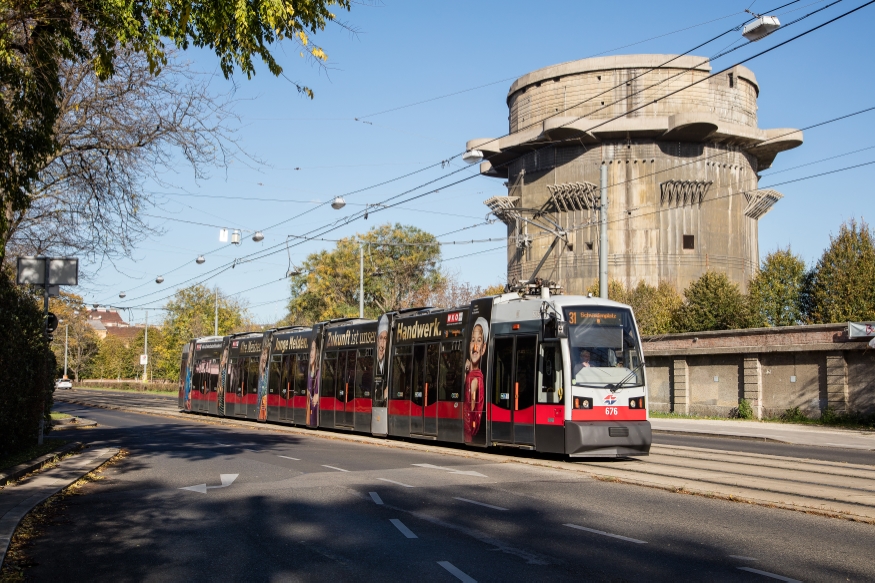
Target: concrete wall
810 367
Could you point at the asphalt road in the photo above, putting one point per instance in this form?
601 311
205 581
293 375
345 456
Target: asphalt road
312 509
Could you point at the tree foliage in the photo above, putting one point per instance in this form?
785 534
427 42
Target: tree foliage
27 366
37 36
401 269
776 292
712 302
654 306
842 286
111 136
451 292
82 342
191 314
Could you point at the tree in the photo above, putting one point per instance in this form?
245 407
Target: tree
776 291
191 314
451 292
111 137
82 342
842 286
36 36
116 358
401 268
654 307
712 302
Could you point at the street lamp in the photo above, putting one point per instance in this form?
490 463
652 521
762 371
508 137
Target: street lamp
159 279
200 260
258 236
338 203
761 27
472 156
121 295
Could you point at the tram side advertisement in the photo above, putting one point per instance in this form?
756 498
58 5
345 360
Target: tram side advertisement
476 372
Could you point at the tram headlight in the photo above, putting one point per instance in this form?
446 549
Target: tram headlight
582 403
636 403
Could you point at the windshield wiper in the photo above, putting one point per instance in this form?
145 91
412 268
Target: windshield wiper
631 374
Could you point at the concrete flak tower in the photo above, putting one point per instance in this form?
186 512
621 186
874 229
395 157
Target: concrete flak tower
682 160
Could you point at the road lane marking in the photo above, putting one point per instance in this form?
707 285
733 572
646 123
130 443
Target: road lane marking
394 482
843 445
603 533
285 457
479 503
771 575
451 470
741 558
404 530
376 498
460 575
333 468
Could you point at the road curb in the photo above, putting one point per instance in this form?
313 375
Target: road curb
41 487
721 435
16 472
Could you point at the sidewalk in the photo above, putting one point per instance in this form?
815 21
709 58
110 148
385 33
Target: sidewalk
778 432
17 500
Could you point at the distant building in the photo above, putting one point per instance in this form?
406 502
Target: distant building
108 322
682 172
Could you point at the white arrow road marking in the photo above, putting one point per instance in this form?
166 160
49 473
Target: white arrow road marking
288 458
227 480
451 470
457 573
479 503
333 468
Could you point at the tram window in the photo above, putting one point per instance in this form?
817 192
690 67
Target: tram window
329 368
214 375
401 364
502 389
301 363
288 377
252 375
274 377
550 389
432 360
364 373
451 379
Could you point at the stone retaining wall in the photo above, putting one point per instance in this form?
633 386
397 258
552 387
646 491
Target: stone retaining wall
775 369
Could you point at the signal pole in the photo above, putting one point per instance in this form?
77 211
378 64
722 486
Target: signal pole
603 233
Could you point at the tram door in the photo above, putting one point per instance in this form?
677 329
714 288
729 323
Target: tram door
513 391
286 387
344 415
423 416
300 404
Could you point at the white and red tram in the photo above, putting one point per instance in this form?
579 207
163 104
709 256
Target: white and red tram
560 374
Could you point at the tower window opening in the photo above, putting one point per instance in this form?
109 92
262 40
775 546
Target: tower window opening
689 241
588 245
731 81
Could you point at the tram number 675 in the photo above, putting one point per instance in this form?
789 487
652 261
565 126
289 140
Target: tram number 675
610 410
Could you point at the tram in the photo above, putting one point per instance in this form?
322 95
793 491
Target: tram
557 374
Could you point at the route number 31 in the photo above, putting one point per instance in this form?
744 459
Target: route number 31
610 410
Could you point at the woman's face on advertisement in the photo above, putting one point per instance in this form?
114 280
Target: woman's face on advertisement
313 351
476 344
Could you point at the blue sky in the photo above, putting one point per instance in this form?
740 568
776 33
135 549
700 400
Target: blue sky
407 52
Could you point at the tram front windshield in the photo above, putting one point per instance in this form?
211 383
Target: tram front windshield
604 347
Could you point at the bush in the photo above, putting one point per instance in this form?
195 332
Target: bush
745 411
794 415
27 366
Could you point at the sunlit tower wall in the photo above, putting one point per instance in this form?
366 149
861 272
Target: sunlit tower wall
683 193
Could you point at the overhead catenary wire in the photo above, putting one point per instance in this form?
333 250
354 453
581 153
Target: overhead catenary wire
348 219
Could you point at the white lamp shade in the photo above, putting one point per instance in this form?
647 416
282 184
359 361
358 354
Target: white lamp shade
472 156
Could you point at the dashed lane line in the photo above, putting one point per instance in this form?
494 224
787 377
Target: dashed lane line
742 558
479 503
394 482
285 457
376 498
333 468
456 572
603 533
770 575
404 530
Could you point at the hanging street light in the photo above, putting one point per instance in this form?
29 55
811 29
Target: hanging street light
200 260
258 236
761 27
338 203
159 279
472 156
121 295
235 237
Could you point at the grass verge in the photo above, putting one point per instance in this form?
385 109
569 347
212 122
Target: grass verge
33 452
828 418
130 390
56 415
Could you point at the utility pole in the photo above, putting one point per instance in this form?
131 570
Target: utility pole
146 349
216 321
66 337
361 280
603 233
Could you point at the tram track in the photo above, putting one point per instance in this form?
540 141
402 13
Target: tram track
838 489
